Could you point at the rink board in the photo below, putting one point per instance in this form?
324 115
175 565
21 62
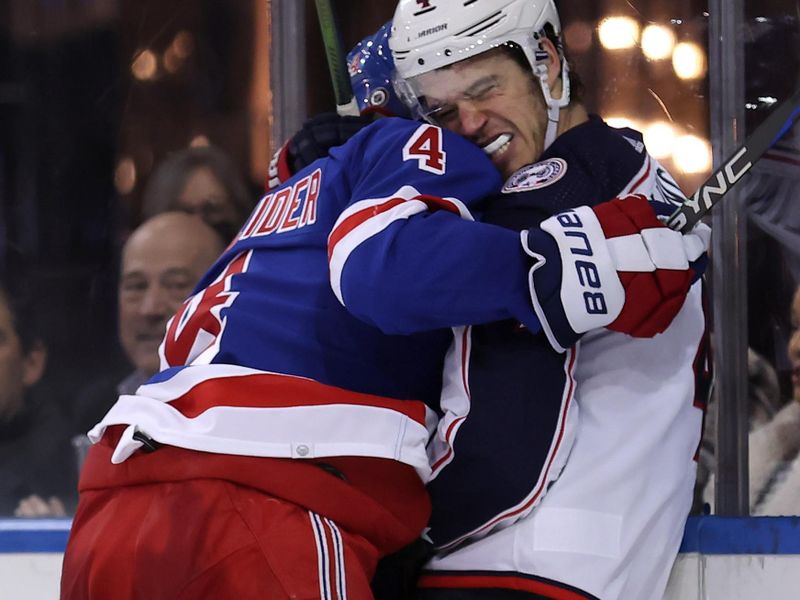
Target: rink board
728 558
721 558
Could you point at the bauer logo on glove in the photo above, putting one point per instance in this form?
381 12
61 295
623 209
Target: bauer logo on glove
614 265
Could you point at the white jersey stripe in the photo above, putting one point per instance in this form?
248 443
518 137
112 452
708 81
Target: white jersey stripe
341 251
181 411
455 400
299 432
185 379
338 549
367 218
323 558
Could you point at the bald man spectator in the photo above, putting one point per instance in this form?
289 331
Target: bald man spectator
162 261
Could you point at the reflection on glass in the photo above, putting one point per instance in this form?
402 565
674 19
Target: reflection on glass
657 42
689 61
618 33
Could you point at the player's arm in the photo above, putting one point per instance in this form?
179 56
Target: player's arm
408 258
406 255
586 272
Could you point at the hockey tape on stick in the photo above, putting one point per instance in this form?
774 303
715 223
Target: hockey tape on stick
342 90
733 169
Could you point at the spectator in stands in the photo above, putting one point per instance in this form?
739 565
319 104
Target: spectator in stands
775 451
161 263
794 359
203 181
764 390
37 475
780 492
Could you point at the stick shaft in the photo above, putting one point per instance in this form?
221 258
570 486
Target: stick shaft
733 169
342 90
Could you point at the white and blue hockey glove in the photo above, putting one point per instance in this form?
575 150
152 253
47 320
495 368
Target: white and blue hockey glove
614 265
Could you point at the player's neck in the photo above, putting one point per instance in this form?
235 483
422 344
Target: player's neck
572 116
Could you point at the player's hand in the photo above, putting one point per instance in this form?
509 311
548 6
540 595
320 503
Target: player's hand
317 136
615 265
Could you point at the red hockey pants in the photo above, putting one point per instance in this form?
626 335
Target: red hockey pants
209 539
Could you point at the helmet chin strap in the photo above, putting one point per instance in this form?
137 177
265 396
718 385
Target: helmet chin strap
553 106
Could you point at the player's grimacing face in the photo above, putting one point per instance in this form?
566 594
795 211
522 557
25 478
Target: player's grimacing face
492 101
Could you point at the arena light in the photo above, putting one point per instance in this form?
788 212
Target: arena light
659 137
692 154
689 60
618 33
145 65
658 42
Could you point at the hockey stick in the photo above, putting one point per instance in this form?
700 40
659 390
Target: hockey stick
342 91
733 169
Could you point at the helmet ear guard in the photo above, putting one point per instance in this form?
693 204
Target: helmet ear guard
554 106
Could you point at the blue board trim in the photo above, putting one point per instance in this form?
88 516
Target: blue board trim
33 535
706 535
742 535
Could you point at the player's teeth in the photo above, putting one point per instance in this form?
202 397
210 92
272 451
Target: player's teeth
499 143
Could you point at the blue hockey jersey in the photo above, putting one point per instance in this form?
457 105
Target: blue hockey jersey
321 330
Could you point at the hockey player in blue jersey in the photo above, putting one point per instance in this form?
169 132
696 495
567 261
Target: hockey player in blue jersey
563 465
282 449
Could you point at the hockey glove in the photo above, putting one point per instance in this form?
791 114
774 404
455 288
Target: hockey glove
318 135
614 265
396 574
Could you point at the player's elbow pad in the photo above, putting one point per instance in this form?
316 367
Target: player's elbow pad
614 265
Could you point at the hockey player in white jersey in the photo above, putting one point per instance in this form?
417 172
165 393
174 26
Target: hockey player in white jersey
564 464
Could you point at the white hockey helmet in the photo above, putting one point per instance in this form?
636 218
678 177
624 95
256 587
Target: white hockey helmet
431 34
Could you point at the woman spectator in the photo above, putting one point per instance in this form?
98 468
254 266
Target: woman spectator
202 181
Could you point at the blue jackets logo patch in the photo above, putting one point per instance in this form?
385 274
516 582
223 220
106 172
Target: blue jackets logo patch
536 176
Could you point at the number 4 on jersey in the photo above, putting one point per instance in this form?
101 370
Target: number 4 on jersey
425 146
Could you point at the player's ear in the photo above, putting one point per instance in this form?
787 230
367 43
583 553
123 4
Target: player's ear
553 62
